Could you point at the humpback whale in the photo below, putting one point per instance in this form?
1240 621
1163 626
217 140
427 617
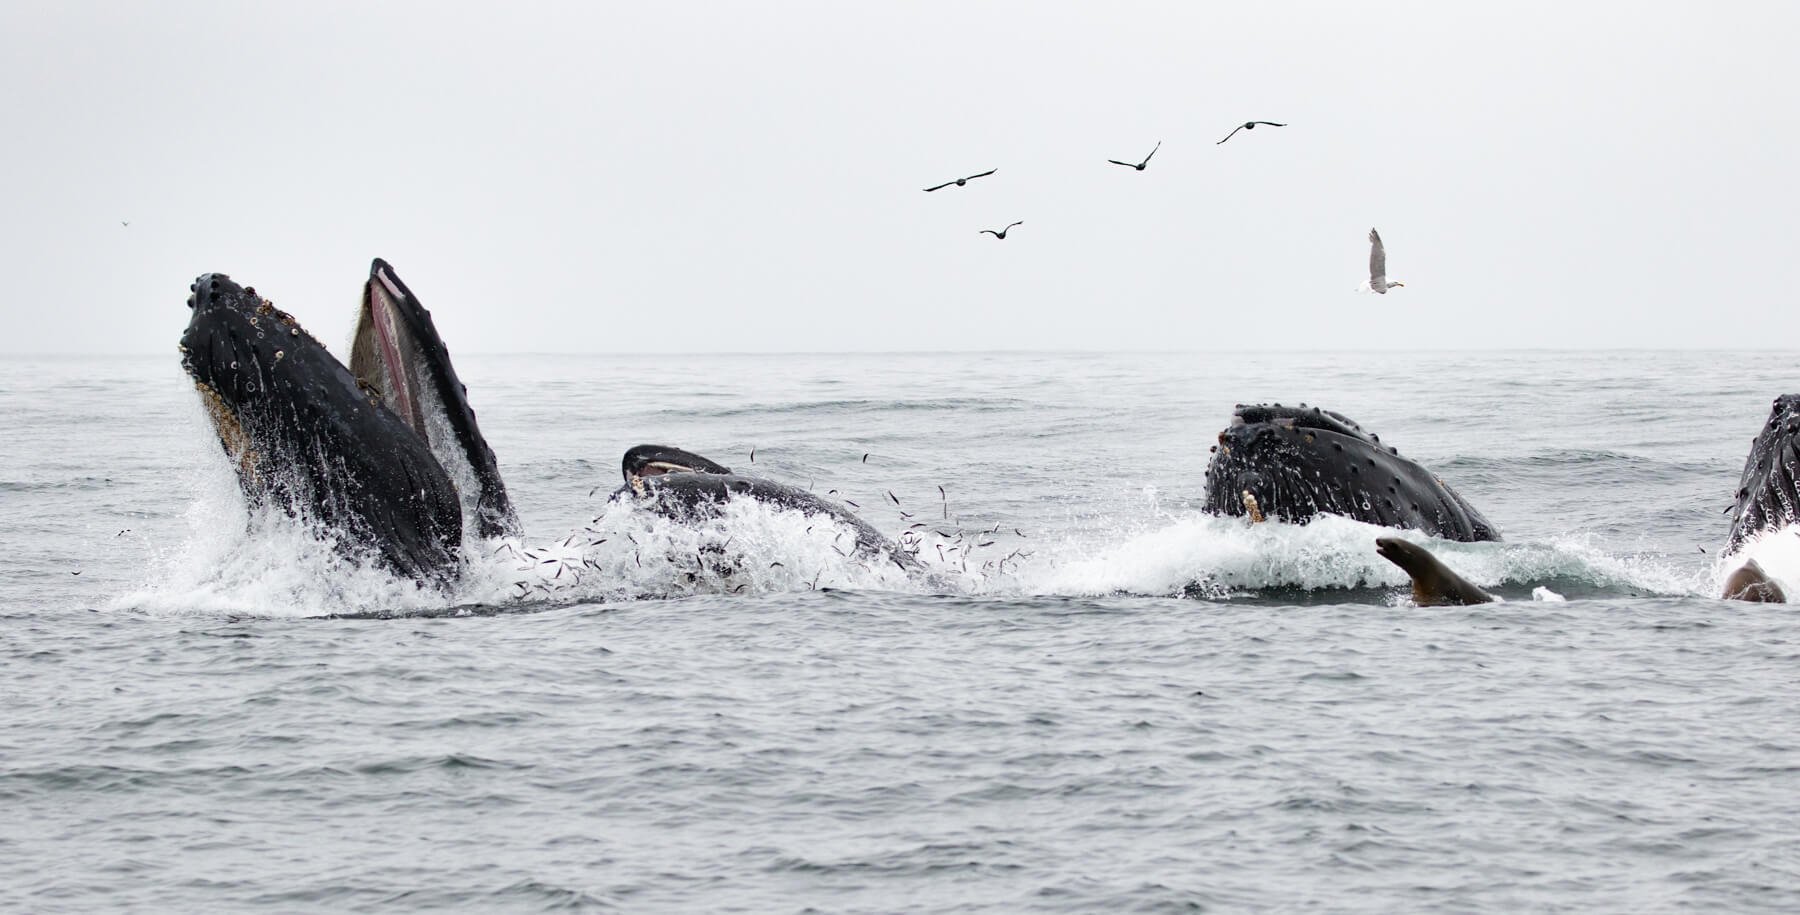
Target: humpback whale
1768 499
374 452
1294 463
685 486
308 437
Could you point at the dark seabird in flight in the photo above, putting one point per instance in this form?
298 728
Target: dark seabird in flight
1139 166
1248 125
962 181
1002 233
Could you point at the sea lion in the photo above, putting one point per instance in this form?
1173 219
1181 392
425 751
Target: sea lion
1433 584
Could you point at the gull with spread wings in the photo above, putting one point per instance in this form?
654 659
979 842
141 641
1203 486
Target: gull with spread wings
1140 165
1378 281
1248 125
961 181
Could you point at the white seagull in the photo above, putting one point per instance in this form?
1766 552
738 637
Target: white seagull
1378 281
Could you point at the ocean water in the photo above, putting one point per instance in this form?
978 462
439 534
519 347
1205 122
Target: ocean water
1100 700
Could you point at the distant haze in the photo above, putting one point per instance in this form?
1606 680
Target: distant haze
747 177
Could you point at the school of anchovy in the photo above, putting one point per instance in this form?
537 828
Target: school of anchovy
1378 281
560 566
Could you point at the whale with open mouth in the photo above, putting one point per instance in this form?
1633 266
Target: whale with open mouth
1295 463
383 454
308 437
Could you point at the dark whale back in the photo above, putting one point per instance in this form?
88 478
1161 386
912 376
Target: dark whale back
306 436
1768 494
1301 462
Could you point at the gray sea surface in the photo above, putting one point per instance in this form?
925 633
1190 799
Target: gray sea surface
1101 700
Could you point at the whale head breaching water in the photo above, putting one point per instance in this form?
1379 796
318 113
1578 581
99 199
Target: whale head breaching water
361 451
654 460
1768 500
307 437
1294 463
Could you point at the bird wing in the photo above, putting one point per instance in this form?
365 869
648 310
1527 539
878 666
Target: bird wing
944 185
1019 223
982 175
1126 164
1152 152
1233 133
1377 259
990 232
1270 123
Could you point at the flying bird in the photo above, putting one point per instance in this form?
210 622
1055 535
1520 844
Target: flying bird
1139 166
1002 233
1248 125
1378 281
961 181
125 223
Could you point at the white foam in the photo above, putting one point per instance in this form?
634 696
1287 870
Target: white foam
1231 555
1777 551
267 564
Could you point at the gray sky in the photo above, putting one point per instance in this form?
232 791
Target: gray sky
746 177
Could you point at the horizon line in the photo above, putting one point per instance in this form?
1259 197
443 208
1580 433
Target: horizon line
63 354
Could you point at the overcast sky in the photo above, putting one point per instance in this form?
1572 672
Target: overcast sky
694 177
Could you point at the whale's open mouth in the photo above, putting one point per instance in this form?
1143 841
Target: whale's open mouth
384 352
655 460
651 460
396 351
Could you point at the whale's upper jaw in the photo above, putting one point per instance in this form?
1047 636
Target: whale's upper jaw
1300 462
249 359
396 351
308 437
1768 493
1300 417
